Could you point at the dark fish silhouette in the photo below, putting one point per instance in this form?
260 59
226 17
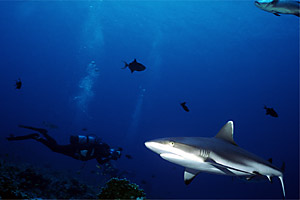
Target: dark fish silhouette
134 66
270 111
185 107
84 129
18 84
128 156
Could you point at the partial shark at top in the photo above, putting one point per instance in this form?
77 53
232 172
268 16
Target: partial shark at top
217 155
278 7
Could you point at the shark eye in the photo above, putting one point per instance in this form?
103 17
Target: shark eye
172 144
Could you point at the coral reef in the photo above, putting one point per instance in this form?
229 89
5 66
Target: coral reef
27 182
121 189
21 181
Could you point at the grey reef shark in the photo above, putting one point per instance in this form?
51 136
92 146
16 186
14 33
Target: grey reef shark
278 7
216 155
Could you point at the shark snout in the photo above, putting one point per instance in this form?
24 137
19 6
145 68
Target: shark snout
158 146
153 146
148 144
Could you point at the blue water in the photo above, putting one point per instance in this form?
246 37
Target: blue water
226 59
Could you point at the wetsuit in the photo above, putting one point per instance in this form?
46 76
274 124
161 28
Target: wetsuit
99 151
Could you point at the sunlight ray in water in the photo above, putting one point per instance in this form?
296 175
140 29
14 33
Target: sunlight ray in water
133 129
86 87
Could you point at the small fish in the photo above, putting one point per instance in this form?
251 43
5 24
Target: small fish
134 66
143 182
84 129
185 107
18 84
271 112
128 156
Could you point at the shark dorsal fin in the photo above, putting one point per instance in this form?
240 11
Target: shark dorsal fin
226 133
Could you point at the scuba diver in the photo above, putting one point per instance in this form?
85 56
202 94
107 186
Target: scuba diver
80 148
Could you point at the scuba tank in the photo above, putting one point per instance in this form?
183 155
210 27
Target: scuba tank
83 139
87 145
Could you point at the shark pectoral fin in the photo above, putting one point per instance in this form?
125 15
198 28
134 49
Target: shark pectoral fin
276 14
282 185
189 175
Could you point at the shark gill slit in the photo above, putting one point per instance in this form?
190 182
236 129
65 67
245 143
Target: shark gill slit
204 153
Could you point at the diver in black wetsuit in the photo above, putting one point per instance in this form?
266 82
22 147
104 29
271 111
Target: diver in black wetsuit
81 147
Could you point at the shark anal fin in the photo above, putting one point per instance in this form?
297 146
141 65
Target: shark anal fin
270 160
189 175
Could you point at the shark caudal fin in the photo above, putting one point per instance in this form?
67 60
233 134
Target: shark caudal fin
282 185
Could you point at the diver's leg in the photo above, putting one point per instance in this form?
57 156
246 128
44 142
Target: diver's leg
67 150
40 130
24 137
51 144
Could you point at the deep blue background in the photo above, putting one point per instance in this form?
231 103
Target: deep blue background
225 58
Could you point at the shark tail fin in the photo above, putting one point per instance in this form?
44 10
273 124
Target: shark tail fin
282 185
